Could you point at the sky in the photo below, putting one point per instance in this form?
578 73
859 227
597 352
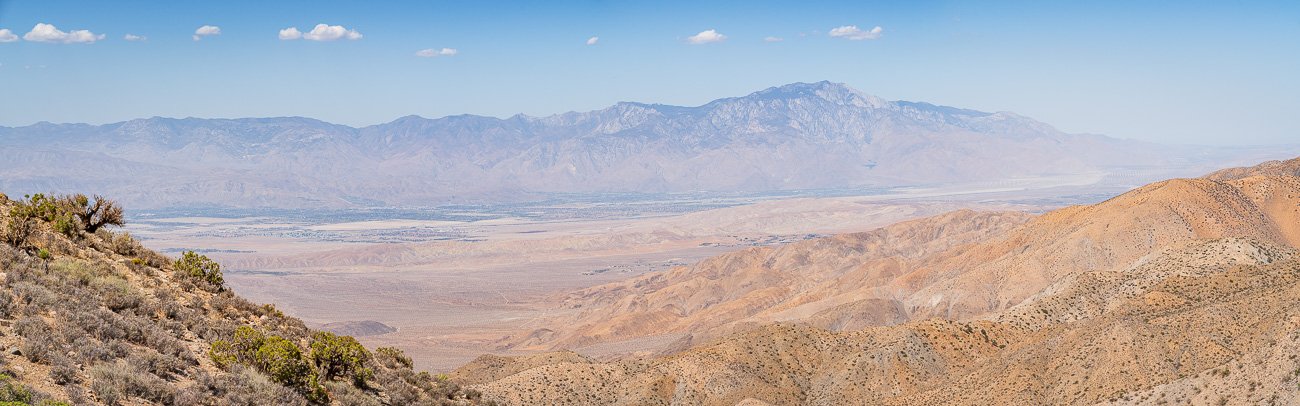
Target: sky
1190 72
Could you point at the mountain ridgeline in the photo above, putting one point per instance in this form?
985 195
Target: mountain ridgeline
1183 291
798 136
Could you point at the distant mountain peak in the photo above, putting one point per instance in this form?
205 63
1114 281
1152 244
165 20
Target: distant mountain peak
837 93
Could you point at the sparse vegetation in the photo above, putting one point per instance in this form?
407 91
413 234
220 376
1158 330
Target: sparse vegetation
109 322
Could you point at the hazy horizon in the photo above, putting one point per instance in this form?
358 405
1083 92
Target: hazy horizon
1152 72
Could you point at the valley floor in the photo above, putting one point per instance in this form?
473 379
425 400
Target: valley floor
453 289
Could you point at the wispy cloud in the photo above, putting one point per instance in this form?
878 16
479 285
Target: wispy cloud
133 37
431 52
706 36
290 33
773 39
593 40
206 31
325 32
852 32
43 32
8 36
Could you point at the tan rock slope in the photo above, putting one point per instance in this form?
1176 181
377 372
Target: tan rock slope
1183 291
956 265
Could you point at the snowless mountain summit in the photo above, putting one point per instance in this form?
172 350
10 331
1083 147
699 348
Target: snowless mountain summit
791 137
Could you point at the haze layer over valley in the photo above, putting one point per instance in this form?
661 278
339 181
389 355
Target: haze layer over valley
797 137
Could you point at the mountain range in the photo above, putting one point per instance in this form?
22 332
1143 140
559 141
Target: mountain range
794 137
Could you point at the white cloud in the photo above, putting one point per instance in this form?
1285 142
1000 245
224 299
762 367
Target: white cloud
430 52
133 37
8 36
592 40
325 32
706 36
205 31
290 33
43 32
773 39
854 33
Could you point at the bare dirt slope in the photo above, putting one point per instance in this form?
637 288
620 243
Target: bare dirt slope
957 265
1182 291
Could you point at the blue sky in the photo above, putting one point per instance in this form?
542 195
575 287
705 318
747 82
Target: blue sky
1177 72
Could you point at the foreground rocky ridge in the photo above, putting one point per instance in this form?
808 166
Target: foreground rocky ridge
94 318
1183 291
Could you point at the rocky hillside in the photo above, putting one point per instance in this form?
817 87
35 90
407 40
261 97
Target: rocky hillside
1178 292
88 316
759 142
957 265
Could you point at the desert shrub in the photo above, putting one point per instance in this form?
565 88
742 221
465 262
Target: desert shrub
399 389
346 394
67 225
161 365
248 387
63 371
12 391
229 304
114 383
340 356
391 357
37 206
37 297
91 215
277 357
121 243
7 304
69 215
39 344
189 395
200 269
116 293
89 350
283 362
17 230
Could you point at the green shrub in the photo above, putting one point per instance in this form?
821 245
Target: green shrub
11 391
200 268
37 206
283 361
340 356
273 355
66 224
222 353
391 357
